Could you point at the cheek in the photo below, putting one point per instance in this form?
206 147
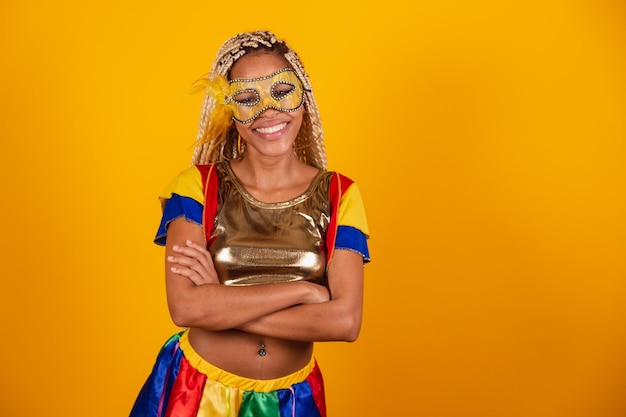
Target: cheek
298 117
243 131
298 124
241 128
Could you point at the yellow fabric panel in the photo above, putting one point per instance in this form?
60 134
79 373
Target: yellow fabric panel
351 210
188 183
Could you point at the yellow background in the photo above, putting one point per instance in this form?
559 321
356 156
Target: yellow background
488 139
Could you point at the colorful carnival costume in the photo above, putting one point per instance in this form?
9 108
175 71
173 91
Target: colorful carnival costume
252 243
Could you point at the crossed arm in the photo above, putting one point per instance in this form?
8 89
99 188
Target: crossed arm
299 311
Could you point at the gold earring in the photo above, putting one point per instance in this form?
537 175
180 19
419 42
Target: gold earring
241 146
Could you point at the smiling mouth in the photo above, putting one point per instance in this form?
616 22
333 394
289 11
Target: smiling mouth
271 129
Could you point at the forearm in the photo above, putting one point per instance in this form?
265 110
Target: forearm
195 298
329 321
219 307
338 319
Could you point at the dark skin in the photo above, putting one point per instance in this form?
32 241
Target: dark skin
228 324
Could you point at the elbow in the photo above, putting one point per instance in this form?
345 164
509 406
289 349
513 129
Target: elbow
208 320
181 318
350 329
187 310
179 305
352 334
184 316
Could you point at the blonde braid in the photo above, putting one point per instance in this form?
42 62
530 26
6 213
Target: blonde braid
309 145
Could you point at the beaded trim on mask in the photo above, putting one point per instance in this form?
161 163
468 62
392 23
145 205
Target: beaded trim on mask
231 100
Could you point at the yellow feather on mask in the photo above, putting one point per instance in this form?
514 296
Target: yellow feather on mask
220 119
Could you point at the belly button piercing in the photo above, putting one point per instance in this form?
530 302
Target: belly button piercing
262 351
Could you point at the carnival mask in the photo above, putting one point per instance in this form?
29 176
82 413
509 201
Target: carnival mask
249 97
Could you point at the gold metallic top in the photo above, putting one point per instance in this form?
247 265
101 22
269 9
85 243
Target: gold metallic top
260 243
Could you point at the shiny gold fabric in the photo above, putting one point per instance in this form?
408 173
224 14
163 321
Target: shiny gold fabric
260 243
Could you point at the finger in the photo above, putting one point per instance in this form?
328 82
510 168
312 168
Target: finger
194 264
194 250
201 250
197 253
206 275
183 261
190 274
190 243
190 263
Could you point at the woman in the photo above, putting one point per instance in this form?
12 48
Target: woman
264 248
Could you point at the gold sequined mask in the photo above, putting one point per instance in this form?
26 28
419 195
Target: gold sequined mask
249 97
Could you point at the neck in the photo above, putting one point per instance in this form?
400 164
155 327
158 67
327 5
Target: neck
267 173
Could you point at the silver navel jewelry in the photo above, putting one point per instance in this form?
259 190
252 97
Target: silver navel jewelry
262 351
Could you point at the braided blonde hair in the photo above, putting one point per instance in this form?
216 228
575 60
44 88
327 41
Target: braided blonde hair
309 143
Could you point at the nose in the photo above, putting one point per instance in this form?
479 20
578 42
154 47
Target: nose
269 112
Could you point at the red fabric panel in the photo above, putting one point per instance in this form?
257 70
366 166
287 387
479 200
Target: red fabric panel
209 181
185 396
316 382
338 186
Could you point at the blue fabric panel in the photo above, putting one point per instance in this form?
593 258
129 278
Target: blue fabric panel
353 239
160 382
175 207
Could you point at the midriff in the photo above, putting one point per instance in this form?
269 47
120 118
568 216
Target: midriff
237 352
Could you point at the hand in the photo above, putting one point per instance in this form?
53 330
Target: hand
194 261
317 293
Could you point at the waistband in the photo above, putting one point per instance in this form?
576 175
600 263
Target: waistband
236 381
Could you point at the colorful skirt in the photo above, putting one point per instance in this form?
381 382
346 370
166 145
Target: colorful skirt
183 384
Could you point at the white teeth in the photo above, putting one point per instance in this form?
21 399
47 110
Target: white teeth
271 129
